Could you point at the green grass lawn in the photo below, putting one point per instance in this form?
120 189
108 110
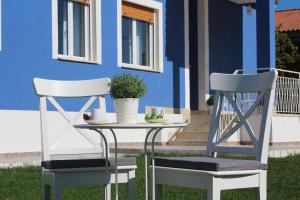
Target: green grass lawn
25 184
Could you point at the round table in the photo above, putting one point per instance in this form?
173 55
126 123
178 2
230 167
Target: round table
154 128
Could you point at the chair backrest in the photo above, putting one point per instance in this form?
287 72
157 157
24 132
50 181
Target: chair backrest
226 86
48 91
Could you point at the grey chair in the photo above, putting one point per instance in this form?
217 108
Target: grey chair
215 174
59 166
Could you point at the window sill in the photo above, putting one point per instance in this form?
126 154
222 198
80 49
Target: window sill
140 67
75 59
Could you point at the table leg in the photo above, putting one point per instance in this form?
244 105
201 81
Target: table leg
153 162
146 162
116 163
106 154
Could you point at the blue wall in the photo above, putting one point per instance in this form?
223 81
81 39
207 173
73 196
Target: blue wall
225 36
193 36
265 23
259 37
249 41
238 40
27 53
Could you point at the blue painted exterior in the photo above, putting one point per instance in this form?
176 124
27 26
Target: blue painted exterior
259 37
193 36
249 41
27 53
265 12
225 36
236 40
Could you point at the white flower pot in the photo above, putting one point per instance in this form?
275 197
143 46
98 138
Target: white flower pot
126 110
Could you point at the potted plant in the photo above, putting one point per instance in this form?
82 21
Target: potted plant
126 90
210 102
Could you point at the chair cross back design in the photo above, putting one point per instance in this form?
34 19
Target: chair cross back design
50 89
226 86
216 174
57 173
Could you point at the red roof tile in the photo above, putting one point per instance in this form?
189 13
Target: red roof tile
288 20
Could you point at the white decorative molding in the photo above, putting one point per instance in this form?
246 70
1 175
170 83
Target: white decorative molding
158 34
0 25
20 131
203 53
94 56
186 55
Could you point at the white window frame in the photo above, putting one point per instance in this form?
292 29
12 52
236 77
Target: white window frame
93 36
0 25
158 36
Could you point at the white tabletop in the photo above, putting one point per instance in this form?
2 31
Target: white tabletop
130 126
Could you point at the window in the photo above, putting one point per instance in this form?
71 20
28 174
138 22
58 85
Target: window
76 30
140 39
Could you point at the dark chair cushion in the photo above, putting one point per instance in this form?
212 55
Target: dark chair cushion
208 164
85 163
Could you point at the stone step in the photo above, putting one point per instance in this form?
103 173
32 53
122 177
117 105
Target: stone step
199 121
193 135
196 128
196 133
187 143
204 117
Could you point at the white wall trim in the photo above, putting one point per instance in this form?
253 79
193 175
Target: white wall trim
206 29
95 36
158 7
203 53
26 137
186 54
99 32
0 25
119 32
54 29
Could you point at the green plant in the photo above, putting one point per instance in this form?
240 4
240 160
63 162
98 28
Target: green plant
127 86
286 50
210 101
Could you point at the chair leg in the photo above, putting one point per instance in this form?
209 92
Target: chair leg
57 191
158 192
262 189
107 192
46 189
46 192
131 185
214 191
213 194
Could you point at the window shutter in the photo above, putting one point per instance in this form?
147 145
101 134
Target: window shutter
137 12
82 1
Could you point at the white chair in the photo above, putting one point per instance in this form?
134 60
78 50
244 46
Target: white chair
80 169
216 174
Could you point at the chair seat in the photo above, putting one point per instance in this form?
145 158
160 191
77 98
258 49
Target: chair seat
86 163
208 164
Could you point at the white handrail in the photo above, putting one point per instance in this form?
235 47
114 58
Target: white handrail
238 71
287 99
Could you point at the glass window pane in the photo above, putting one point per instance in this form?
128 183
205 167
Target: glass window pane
63 27
127 40
78 29
143 43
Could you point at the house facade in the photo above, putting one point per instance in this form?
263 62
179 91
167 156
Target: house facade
172 45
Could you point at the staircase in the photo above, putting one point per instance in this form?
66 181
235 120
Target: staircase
196 133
